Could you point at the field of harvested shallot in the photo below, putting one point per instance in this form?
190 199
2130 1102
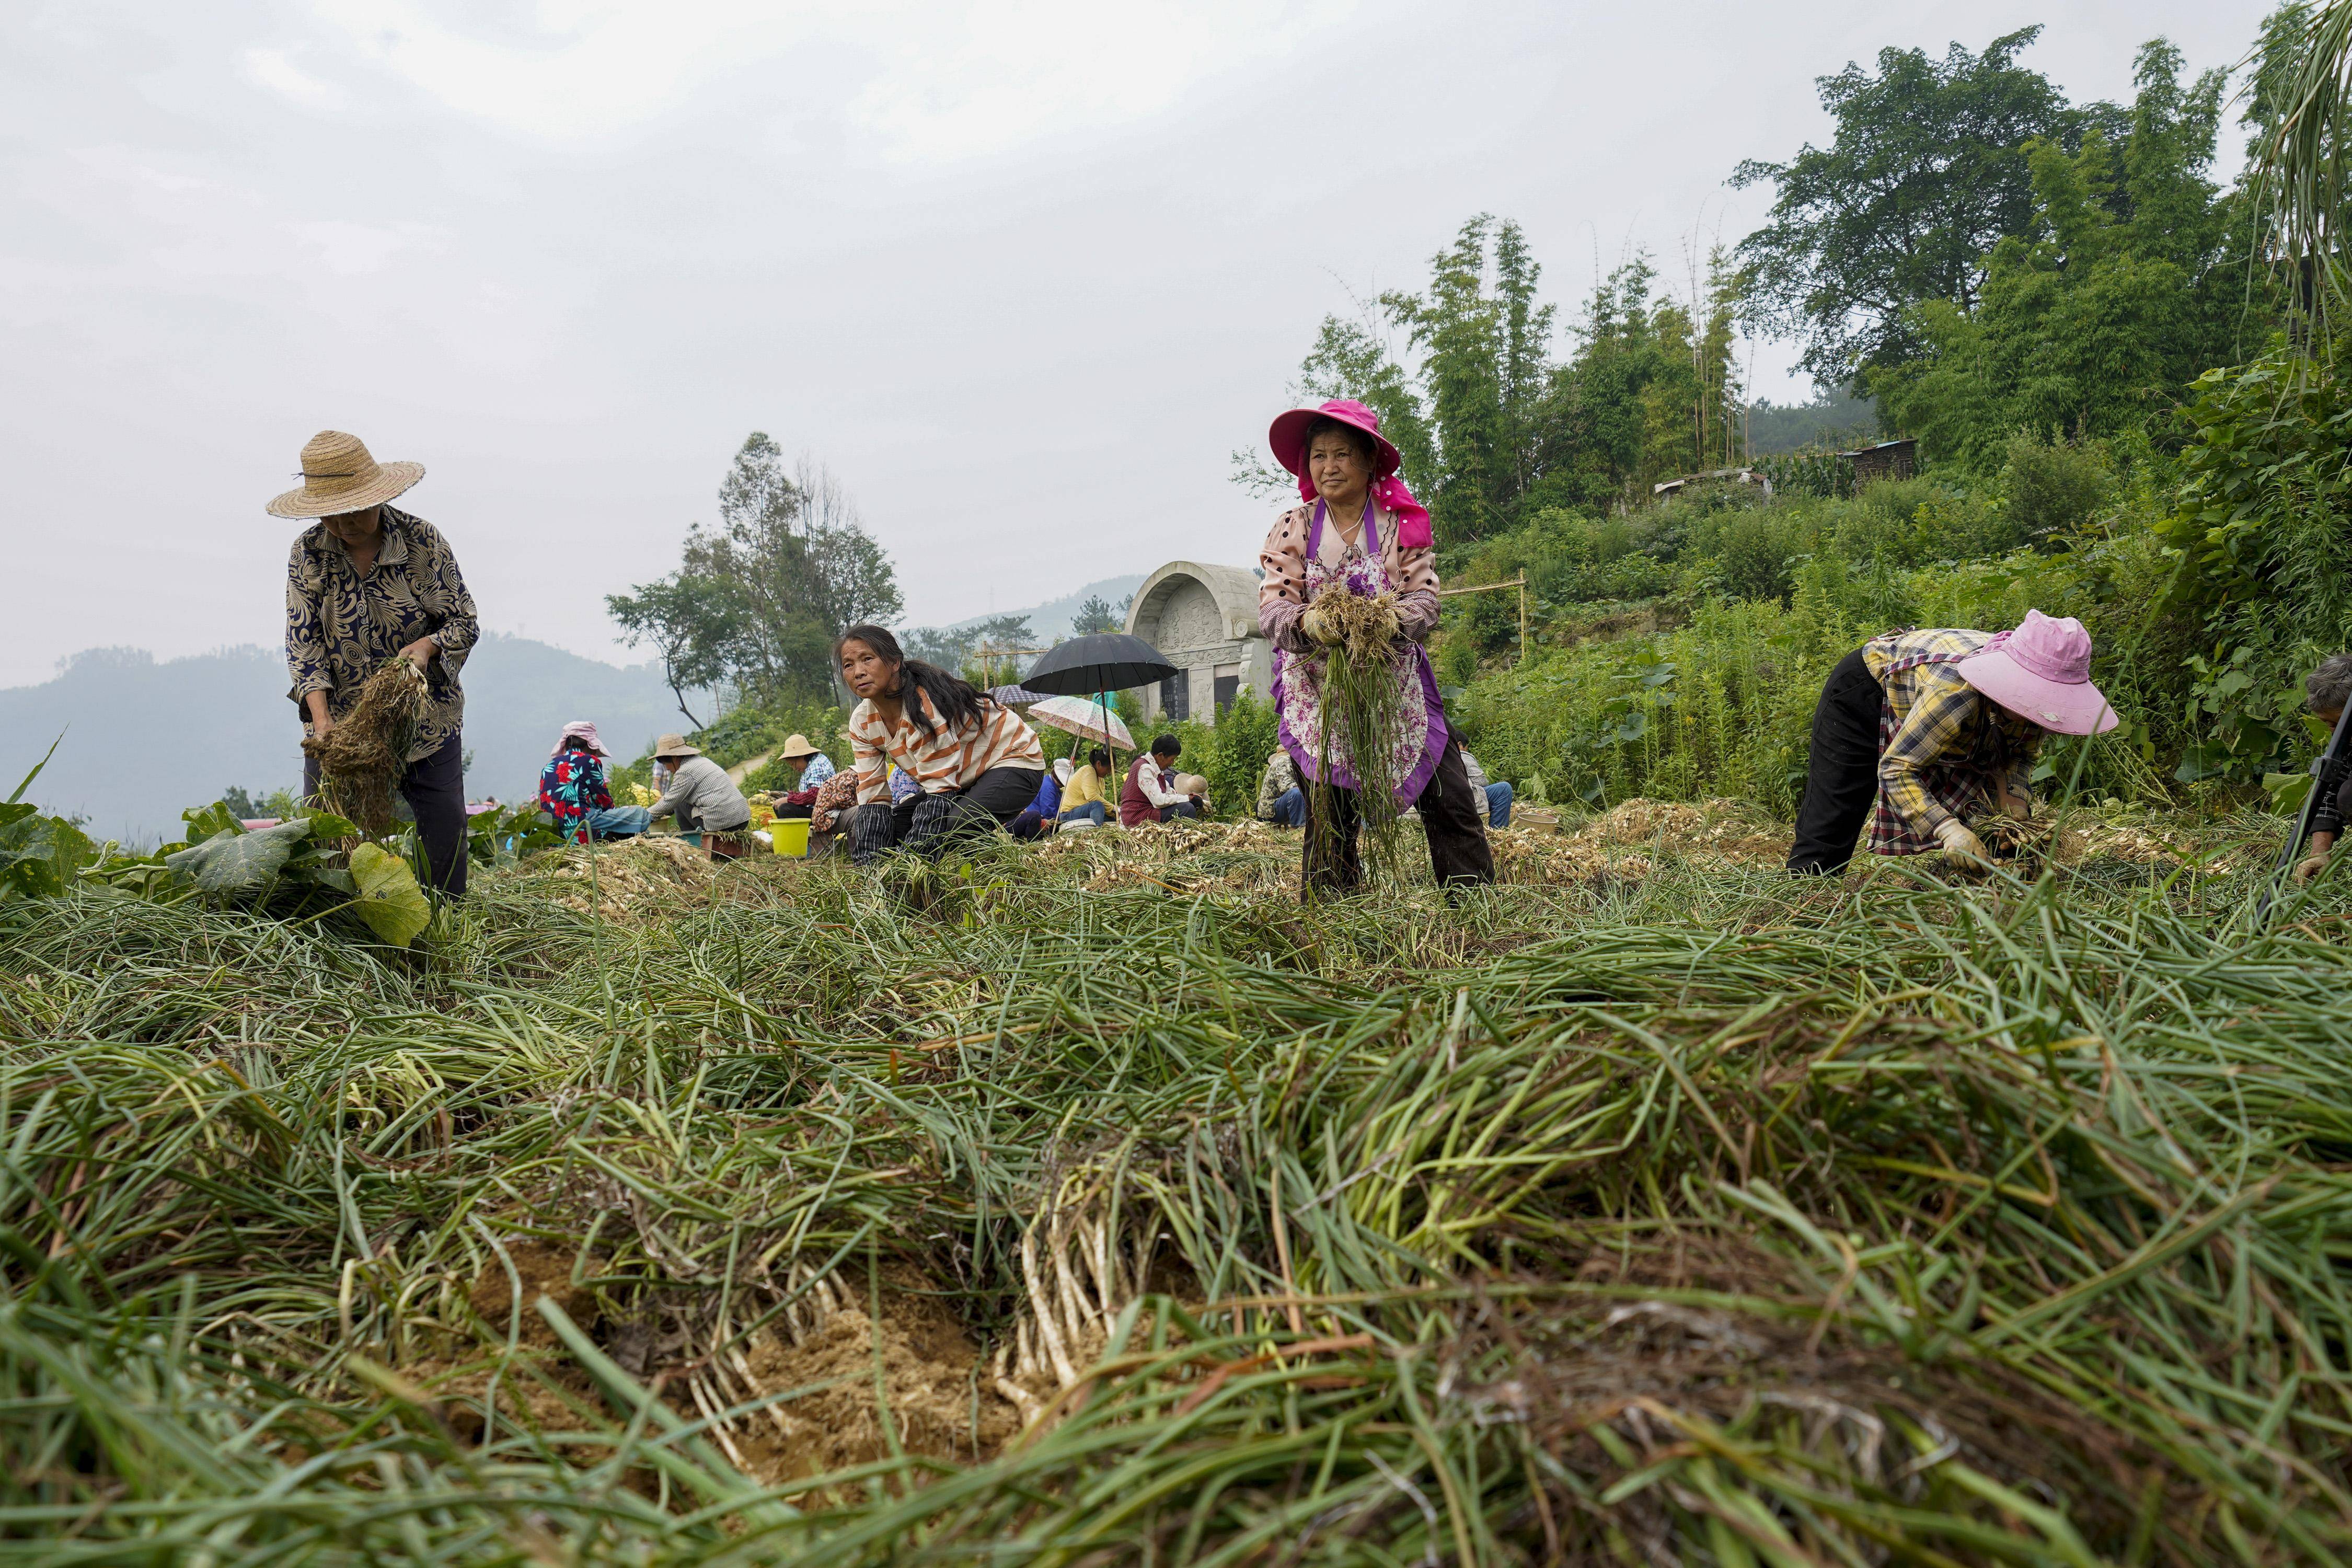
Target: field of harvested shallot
1098 1204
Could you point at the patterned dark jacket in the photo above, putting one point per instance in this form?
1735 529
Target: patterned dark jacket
339 629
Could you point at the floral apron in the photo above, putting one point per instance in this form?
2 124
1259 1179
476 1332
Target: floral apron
1421 733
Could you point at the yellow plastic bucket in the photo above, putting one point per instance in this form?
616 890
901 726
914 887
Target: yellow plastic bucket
788 835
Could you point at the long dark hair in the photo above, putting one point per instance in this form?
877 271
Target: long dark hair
956 699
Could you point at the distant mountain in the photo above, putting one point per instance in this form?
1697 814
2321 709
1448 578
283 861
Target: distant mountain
1051 619
144 739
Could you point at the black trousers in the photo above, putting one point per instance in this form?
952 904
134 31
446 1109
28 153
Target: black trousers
1332 862
1841 771
434 788
932 825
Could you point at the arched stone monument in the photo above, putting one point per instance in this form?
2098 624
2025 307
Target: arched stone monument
1203 620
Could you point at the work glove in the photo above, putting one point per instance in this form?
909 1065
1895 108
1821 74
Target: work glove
1317 628
1963 850
2310 867
1384 627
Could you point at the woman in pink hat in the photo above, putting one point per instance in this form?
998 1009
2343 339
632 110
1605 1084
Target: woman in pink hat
575 795
1360 529
1936 727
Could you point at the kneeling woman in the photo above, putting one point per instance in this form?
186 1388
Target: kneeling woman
1361 533
974 764
1933 728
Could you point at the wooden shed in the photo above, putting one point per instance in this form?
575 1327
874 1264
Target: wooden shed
1886 460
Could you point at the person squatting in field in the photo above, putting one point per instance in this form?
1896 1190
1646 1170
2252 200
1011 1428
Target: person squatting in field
975 765
574 793
703 799
2324 692
1082 793
1918 732
1360 530
367 583
1149 793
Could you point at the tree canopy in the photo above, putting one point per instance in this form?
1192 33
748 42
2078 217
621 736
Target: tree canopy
757 599
1926 173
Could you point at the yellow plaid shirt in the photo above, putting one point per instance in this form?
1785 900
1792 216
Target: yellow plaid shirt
1942 745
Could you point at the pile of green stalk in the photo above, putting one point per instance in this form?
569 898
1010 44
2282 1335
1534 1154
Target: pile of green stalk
1706 1219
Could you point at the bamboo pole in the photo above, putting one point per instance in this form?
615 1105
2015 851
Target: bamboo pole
1520 582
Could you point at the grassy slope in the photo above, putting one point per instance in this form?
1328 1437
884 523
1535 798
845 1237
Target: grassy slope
1657 1210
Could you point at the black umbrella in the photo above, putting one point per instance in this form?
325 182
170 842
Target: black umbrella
1107 661
1093 666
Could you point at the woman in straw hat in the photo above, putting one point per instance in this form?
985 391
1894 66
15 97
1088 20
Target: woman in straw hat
815 766
1919 731
1361 532
366 584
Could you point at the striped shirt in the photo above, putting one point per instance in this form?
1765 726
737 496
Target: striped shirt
950 761
1942 744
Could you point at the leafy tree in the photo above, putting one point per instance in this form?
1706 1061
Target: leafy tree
2098 310
946 647
1926 172
1484 353
693 625
1349 359
759 597
1095 615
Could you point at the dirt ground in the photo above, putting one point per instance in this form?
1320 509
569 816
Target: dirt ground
935 1394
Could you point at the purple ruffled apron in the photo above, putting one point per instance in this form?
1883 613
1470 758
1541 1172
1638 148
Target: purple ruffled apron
1421 733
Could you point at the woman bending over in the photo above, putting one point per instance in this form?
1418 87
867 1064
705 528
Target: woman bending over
974 764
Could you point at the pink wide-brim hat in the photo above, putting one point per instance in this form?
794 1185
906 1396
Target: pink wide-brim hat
580 729
2041 671
1288 434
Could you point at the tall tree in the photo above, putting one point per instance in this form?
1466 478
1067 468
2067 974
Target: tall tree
761 595
2098 311
1926 173
1458 327
1095 615
2301 106
692 624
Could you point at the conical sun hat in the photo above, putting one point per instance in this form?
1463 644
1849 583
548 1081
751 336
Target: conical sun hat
338 476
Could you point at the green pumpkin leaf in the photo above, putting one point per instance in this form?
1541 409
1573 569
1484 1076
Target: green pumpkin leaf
327 825
230 864
390 900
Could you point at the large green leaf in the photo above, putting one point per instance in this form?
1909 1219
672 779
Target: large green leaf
232 863
327 825
390 900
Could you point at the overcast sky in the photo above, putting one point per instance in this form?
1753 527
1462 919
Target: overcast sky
1023 272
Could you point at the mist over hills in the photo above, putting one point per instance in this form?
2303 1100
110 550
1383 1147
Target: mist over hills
139 739
1051 619
144 738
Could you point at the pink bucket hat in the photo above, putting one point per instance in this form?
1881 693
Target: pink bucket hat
1288 434
580 729
2041 671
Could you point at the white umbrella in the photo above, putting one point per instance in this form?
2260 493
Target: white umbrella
1082 717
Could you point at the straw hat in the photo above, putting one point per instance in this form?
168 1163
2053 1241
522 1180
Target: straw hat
674 746
338 476
795 746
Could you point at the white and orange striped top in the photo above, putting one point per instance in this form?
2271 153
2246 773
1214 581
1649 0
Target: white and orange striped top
949 760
